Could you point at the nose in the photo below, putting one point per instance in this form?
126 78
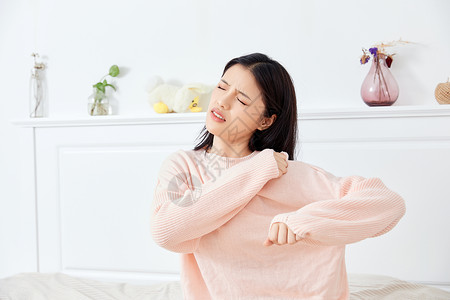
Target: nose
225 99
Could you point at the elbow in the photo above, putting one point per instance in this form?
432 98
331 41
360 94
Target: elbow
160 240
160 229
160 235
393 203
399 206
168 239
397 211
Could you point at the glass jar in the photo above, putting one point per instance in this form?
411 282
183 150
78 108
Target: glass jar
98 104
37 94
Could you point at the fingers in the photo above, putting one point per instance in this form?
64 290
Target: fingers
281 159
286 154
273 235
280 234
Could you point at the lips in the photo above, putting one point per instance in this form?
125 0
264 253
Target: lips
219 113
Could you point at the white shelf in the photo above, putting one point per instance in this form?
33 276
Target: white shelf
304 114
112 120
375 112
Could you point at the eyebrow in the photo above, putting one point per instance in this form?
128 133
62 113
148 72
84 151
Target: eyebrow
241 92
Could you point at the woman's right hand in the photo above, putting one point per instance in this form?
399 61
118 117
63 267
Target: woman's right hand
281 158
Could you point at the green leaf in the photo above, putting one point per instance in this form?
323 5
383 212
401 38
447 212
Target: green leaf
114 71
105 82
98 85
111 86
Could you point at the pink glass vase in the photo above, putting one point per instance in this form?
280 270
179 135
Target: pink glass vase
379 88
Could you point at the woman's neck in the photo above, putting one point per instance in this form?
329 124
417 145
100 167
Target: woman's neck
229 151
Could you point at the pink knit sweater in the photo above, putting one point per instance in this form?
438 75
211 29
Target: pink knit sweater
217 212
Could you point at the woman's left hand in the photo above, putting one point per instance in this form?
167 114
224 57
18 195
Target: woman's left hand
280 234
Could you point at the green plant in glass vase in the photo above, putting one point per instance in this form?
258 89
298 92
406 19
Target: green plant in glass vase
98 101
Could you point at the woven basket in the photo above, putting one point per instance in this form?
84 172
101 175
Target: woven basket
442 93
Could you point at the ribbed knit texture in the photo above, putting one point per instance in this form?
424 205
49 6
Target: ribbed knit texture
217 212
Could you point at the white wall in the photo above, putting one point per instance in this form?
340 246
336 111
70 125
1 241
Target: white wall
319 42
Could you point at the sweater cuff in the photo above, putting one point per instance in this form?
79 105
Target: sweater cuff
265 162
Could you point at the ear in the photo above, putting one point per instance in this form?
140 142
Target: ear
267 122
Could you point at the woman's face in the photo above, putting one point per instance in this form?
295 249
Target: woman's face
238 99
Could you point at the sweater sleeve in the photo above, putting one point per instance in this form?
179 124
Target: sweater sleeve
184 209
361 208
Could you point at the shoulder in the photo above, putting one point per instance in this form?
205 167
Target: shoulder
312 173
181 159
308 167
318 170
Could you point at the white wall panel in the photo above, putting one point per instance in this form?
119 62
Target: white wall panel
95 189
105 196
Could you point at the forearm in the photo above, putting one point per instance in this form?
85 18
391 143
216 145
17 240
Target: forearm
209 206
367 209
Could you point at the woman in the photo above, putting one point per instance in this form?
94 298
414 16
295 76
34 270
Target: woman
226 203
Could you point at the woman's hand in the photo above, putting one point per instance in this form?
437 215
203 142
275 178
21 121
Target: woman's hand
281 158
280 234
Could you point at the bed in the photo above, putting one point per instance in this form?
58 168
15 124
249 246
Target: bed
53 286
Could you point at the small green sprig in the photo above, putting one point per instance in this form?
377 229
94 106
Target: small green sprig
101 85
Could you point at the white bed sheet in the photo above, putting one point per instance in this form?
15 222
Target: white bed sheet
57 286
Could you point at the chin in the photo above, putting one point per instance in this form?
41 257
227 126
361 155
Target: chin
208 127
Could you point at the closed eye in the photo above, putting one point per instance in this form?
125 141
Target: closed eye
221 88
240 101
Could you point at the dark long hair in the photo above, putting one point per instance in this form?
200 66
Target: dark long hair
278 95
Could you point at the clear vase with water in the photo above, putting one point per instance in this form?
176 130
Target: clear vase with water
98 104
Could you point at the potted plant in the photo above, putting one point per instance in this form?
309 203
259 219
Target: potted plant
98 103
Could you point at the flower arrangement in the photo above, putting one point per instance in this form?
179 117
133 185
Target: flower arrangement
379 51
